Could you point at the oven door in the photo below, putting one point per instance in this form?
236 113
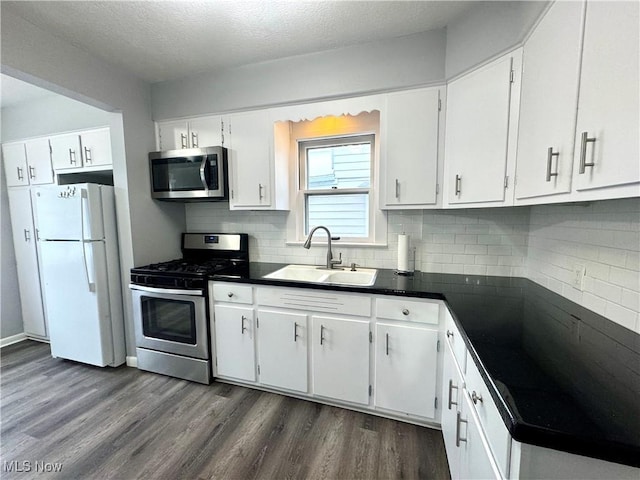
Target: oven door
171 320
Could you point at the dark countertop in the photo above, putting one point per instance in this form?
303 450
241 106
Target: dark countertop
562 376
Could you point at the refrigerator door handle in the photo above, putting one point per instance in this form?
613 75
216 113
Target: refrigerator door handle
90 284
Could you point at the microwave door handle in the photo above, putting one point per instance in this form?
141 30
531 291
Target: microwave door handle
203 167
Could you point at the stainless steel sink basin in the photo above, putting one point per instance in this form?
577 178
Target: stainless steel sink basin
313 274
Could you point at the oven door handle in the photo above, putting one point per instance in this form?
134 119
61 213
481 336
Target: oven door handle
170 291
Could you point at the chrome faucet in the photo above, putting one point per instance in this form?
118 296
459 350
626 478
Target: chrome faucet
330 261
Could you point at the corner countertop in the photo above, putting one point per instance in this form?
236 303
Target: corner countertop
562 376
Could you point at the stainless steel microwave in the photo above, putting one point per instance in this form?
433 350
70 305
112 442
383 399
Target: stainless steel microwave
189 174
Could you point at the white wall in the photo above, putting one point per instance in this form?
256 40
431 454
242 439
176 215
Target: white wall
10 309
383 65
605 238
148 231
487 30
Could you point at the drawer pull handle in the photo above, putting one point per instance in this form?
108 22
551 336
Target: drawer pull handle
458 437
295 331
387 343
476 398
550 156
451 388
183 140
583 152
405 311
20 175
242 323
230 294
458 185
321 334
449 334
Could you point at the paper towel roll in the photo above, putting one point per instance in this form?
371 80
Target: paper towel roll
403 252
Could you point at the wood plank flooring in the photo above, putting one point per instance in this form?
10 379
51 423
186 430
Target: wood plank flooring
125 424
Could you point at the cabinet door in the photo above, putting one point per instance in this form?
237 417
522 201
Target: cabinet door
15 164
24 241
406 369
477 133
96 147
341 359
206 132
234 337
65 151
451 400
282 349
173 135
476 461
250 150
39 161
411 148
608 138
551 69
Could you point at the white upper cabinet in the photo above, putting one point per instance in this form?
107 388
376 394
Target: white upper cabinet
607 133
65 151
96 147
409 148
28 163
550 74
481 129
196 133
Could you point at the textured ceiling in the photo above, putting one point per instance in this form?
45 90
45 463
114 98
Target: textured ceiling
163 40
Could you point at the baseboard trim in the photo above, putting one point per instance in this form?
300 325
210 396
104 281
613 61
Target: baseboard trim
132 362
5 342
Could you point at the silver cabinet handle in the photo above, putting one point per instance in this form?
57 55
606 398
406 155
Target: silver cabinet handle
451 388
550 155
476 398
260 195
295 331
183 140
27 235
387 343
405 311
242 323
230 294
449 334
458 184
194 139
583 152
72 156
32 172
397 188
321 334
20 176
87 155
458 437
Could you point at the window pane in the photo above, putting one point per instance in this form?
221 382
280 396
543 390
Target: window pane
340 166
344 215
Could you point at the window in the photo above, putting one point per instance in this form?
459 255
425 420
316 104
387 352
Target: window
335 182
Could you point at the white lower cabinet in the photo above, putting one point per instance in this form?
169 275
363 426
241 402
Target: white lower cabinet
282 349
406 361
341 358
234 342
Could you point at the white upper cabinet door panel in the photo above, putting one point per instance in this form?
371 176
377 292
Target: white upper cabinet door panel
65 151
15 164
551 69
39 161
173 135
477 132
609 98
411 148
206 132
96 147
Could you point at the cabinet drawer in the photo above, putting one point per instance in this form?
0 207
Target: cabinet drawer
407 310
455 341
491 422
231 293
314 300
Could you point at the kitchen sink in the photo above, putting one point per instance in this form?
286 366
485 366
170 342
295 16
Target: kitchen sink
313 274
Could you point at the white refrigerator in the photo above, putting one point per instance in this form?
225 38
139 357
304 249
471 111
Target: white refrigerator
80 268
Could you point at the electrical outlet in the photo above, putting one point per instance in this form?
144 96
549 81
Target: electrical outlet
579 272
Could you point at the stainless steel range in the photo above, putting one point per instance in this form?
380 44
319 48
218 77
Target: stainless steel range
170 304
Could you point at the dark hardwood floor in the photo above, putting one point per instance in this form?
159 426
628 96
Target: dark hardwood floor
123 423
